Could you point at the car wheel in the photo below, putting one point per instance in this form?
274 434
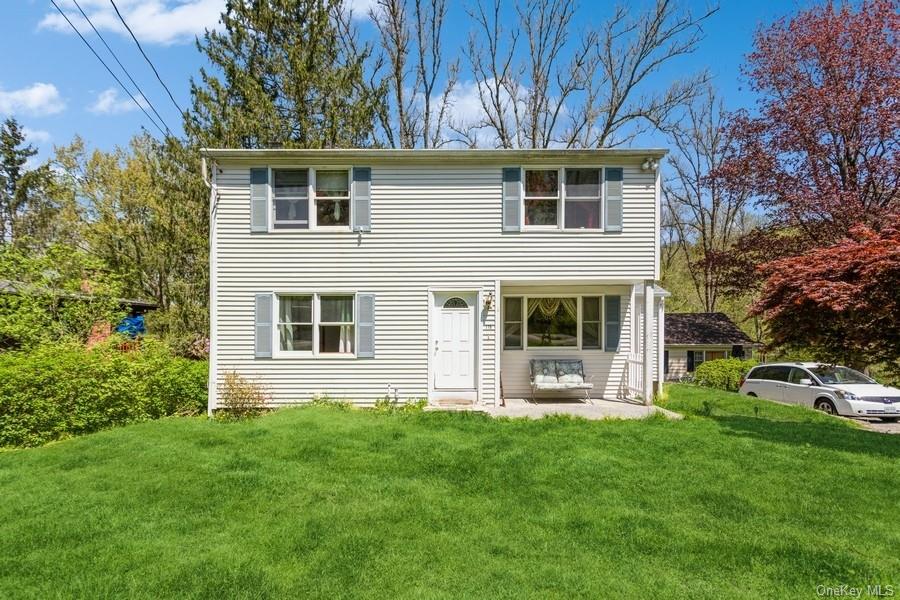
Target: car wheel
826 406
751 394
890 419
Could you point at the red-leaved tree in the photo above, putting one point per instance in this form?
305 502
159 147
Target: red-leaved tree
822 154
823 151
842 301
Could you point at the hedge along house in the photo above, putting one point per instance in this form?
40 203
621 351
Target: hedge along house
693 338
432 274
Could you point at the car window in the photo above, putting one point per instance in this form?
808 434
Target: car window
798 374
774 373
780 373
755 373
830 374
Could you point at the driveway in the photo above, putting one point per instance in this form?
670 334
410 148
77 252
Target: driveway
878 425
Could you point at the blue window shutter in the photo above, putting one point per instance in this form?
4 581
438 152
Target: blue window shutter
264 325
365 325
512 201
362 199
259 196
612 308
614 179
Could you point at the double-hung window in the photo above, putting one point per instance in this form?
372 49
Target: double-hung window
332 198
590 322
295 323
316 323
563 198
290 198
336 324
542 198
512 325
582 199
291 192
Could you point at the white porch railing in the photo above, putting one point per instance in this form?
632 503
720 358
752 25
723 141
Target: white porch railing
634 376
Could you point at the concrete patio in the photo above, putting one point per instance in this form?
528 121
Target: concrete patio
536 409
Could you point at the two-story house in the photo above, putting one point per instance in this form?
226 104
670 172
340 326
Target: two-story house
432 273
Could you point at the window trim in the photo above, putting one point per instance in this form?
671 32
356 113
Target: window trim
311 196
579 347
561 198
277 352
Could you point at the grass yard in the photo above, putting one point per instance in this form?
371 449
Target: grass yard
320 502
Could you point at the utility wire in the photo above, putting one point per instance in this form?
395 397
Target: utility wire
127 74
114 76
147 58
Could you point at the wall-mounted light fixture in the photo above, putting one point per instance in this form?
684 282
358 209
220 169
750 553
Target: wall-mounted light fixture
488 301
650 164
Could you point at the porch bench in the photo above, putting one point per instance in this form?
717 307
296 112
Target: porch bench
558 375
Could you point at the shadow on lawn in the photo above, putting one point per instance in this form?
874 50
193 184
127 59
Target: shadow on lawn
837 436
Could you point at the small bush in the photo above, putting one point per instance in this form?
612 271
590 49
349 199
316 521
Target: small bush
723 374
241 398
386 405
62 389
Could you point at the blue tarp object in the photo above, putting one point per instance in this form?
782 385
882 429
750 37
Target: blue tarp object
132 326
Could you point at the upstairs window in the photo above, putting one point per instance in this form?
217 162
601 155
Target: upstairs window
333 198
582 204
290 198
542 198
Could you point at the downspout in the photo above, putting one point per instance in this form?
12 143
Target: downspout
211 183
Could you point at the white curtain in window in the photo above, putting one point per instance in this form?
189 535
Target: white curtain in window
346 343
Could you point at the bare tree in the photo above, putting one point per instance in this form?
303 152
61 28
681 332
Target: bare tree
417 115
704 216
584 91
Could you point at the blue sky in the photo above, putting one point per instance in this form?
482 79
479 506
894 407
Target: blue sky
56 88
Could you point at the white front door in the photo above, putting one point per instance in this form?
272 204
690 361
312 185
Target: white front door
453 341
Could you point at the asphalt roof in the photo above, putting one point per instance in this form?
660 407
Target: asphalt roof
703 329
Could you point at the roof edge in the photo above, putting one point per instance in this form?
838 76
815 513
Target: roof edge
461 155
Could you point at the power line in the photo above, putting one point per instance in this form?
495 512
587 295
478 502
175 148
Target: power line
127 74
147 58
114 76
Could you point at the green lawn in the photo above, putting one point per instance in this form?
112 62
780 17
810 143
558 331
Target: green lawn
319 502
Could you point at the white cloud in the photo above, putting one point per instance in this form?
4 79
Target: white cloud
38 99
36 136
108 102
162 22
360 8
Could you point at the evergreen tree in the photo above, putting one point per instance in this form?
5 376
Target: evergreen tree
287 73
14 154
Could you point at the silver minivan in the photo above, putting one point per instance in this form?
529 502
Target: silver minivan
832 389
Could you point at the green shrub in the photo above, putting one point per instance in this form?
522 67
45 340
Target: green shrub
62 389
723 374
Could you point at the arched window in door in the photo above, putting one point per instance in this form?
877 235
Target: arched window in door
455 302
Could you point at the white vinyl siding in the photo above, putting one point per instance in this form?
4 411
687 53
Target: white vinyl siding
432 227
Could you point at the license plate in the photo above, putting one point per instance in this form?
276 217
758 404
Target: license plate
890 409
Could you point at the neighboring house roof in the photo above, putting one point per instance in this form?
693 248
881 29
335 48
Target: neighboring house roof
704 329
16 287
